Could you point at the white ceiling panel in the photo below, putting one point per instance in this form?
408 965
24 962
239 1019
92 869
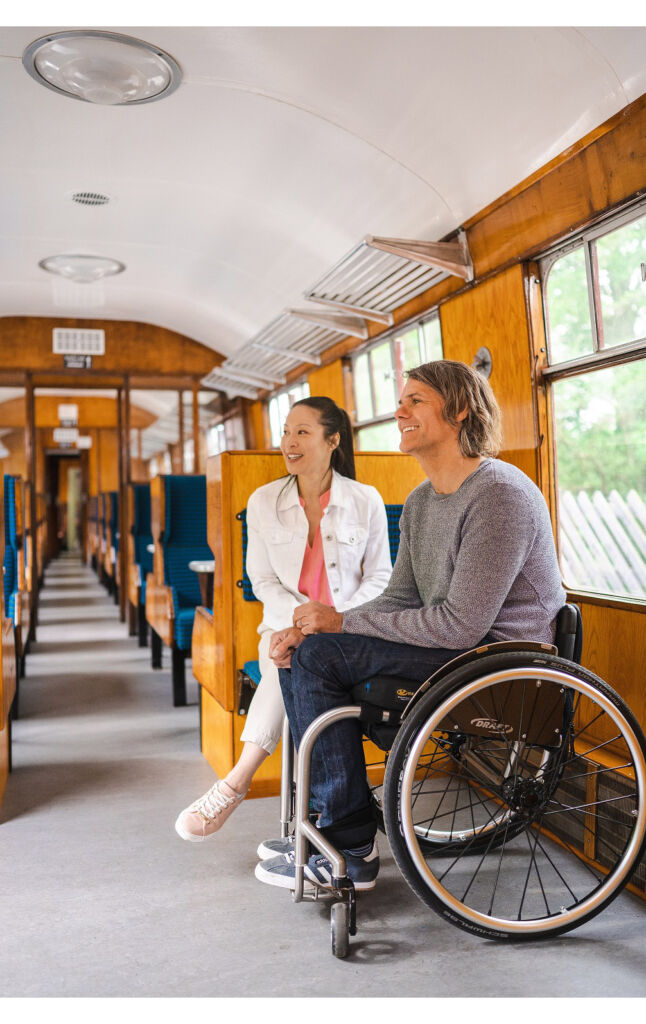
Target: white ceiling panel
280 150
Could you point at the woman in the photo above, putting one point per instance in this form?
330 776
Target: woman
291 560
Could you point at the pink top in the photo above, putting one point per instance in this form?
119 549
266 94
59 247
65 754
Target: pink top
313 582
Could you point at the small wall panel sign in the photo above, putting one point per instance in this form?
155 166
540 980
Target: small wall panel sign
76 362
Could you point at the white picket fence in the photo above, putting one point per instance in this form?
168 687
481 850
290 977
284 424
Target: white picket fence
603 542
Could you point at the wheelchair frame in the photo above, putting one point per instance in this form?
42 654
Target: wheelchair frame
532 783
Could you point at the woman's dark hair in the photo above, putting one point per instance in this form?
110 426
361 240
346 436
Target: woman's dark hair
334 421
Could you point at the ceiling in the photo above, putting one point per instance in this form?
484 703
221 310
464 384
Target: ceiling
280 150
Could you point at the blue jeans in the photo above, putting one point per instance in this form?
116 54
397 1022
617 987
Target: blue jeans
323 671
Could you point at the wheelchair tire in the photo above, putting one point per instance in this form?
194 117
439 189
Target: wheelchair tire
527 774
340 929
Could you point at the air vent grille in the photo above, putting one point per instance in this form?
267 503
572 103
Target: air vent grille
284 343
68 341
90 198
373 279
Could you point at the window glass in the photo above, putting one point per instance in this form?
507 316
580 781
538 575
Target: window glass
189 456
215 439
432 340
408 346
570 333
362 390
620 256
280 405
275 425
383 377
601 467
407 355
380 437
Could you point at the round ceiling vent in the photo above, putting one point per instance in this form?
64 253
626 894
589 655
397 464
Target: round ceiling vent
90 198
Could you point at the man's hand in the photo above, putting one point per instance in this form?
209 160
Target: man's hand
315 617
282 645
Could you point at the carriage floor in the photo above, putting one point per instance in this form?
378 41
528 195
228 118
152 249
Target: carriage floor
99 896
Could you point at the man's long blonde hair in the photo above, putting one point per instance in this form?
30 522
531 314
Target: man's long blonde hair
463 387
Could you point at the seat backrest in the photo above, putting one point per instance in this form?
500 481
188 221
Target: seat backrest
184 536
141 528
393 515
112 516
569 633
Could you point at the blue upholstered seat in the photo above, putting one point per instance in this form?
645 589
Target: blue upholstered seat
252 669
141 534
183 541
10 561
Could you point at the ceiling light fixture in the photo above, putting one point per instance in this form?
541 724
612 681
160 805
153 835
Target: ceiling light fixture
101 67
82 269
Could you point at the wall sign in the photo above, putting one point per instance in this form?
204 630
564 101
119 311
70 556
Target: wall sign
76 362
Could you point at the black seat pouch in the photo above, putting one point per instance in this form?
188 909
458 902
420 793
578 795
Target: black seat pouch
390 692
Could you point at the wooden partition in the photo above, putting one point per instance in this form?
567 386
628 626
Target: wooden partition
133 572
159 601
224 640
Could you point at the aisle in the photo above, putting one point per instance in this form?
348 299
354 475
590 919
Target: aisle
99 897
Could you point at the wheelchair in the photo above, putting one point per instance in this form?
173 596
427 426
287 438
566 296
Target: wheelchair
513 793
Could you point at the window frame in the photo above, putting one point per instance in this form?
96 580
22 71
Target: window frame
390 336
303 383
599 358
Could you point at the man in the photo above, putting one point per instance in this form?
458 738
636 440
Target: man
476 563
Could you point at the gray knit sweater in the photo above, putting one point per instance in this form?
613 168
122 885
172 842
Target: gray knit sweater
477 563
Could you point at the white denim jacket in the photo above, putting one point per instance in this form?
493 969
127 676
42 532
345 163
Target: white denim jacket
354 532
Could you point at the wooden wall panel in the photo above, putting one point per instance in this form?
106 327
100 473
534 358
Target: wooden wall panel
257 427
109 459
614 647
494 314
130 347
328 381
15 462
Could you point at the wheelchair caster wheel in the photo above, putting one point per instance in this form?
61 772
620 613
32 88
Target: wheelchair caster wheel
340 928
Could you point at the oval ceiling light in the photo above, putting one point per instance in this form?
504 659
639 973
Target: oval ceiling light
101 67
82 269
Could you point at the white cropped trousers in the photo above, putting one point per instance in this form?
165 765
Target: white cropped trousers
264 724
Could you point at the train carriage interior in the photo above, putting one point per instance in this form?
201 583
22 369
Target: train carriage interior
200 226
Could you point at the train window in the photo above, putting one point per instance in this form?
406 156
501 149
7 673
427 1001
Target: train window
280 405
378 378
597 378
568 308
621 265
595 291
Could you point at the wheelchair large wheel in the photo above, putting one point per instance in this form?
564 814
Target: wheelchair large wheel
514 796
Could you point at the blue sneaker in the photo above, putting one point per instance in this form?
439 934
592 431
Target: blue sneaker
281 870
270 848
362 871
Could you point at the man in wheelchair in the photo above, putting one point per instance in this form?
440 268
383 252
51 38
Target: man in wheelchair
476 564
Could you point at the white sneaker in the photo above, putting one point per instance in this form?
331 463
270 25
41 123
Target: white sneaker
207 814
